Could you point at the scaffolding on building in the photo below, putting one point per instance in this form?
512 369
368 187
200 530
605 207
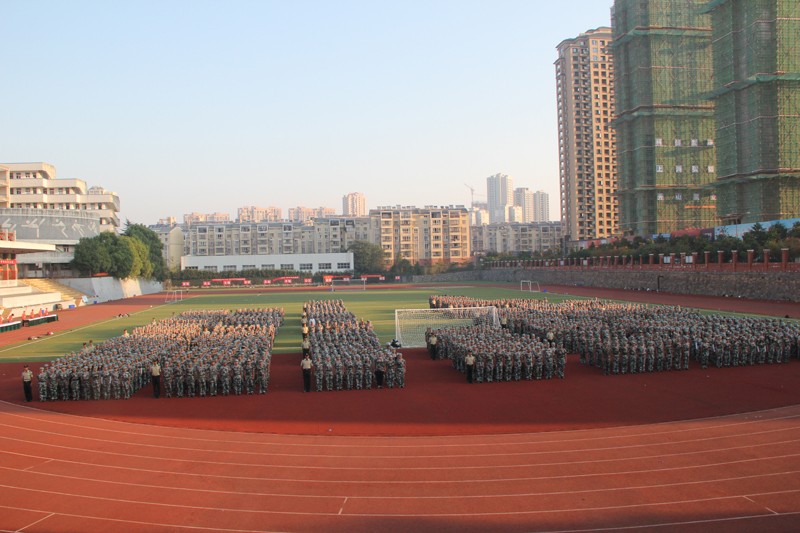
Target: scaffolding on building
757 98
665 126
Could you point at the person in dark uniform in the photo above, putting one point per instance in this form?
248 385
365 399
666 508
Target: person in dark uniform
306 365
27 376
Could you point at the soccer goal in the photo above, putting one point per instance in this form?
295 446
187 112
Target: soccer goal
527 285
351 284
410 324
174 296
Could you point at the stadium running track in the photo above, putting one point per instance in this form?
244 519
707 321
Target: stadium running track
703 450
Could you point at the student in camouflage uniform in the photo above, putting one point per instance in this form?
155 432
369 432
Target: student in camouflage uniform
400 371
41 380
213 379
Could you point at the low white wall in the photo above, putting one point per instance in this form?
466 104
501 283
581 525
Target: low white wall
31 300
107 289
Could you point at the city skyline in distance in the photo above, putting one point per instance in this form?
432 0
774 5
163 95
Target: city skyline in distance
215 108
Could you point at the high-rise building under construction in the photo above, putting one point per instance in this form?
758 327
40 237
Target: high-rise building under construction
666 162
756 46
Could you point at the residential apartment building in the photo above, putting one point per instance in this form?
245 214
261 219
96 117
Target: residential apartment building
478 214
523 198
354 204
517 238
336 234
251 213
756 91
500 196
424 235
201 218
305 214
428 235
172 240
586 139
541 207
265 238
665 127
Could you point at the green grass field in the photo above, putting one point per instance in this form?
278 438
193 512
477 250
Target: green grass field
376 305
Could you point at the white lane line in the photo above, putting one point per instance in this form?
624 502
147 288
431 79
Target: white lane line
39 464
36 522
145 525
437 497
415 514
406 457
747 421
626 459
343 504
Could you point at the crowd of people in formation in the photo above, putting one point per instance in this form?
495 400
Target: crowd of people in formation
198 353
497 354
628 338
345 352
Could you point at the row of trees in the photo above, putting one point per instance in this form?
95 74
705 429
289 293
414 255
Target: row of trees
758 239
135 253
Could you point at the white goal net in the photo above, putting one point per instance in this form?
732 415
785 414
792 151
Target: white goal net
410 324
174 296
527 285
348 284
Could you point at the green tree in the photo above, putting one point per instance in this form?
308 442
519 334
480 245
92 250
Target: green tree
142 267
154 247
756 237
368 257
123 258
91 256
401 266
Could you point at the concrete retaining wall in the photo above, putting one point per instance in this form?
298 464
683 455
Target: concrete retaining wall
758 285
107 289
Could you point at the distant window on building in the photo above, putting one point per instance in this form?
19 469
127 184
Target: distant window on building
210 268
306 266
695 142
659 141
711 168
229 268
678 168
660 197
268 267
710 142
696 197
659 168
324 266
695 169
287 266
343 266
678 196
678 142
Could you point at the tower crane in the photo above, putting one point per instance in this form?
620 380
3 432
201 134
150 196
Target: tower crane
471 195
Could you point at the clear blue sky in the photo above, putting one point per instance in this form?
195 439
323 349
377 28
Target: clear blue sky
182 106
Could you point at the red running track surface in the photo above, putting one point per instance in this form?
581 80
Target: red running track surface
711 450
